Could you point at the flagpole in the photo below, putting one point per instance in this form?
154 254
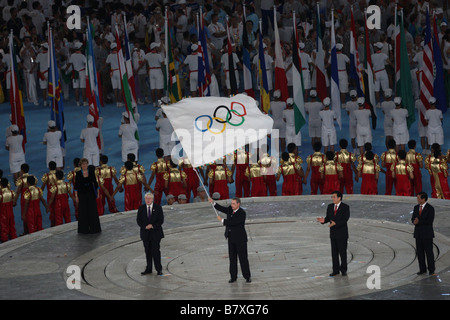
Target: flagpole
199 178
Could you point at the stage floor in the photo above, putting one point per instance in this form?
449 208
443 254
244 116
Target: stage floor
289 255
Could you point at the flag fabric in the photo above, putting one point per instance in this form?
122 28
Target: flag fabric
427 71
211 127
321 80
129 64
173 80
231 69
355 67
15 94
280 72
369 92
54 91
246 66
404 82
204 74
263 82
335 93
92 87
297 83
439 83
127 95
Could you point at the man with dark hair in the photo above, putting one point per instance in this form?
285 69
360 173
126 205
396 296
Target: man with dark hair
236 235
338 214
422 218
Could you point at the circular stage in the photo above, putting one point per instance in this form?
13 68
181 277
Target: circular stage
289 255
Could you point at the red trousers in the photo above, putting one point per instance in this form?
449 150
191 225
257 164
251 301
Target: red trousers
62 210
258 187
402 185
102 198
271 185
347 182
133 197
159 187
221 186
389 179
241 181
316 181
7 224
369 184
51 208
416 183
444 186
176 188
33 216
192 182
331 183
288 186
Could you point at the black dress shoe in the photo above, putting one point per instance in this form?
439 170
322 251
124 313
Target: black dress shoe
334 274
231 280
432 273
248 280
159 273
146 272
344 273
421 272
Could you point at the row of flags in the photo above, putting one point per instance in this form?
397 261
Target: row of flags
431 74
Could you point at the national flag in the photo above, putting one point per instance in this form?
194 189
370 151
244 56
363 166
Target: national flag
173 80
280 72
231 68
335 92
297 82
246 66
92 85
127 95
212 127
439 84
204 74
263 82
129 64
403 75
426 75
355 68
15 94
369 92
54 91
321 80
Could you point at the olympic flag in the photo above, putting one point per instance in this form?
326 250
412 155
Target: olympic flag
210 128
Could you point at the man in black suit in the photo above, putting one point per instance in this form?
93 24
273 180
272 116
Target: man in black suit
338 214
150 218
237 237
422 218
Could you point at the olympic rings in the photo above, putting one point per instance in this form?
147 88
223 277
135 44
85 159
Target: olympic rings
230 112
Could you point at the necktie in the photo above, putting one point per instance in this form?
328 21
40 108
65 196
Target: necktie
335 208
420 209
149 212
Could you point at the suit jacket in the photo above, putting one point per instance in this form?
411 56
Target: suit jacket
156 219
424 229
340 230
234 223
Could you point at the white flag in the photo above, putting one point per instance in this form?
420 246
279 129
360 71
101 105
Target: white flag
210 128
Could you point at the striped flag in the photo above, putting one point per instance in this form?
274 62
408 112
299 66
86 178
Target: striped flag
335 93
355 68
204 74
369 92
246 66
173 80
426 73
280 72
263 82
231 69
129 64
403 75
92 87
439 85
297 82
54 91
15 94
321 80
127 95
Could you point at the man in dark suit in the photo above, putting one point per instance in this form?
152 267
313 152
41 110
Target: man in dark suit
150 218
422 218
237 237
338 214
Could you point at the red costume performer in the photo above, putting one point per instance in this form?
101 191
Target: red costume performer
175 181
132 181
368 170
192 180
258 185
240 164
315 161
60 197
415 160
7 201
290 175
331 173
220 176
33 198
389 158
158 168
105 175
402 173
346 160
